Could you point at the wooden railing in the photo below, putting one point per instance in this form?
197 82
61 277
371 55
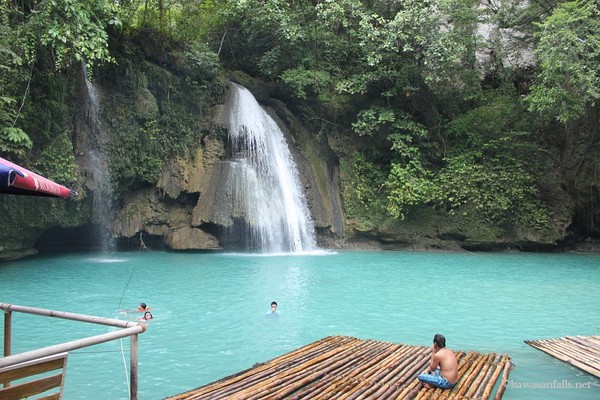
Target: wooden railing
131 329
36 383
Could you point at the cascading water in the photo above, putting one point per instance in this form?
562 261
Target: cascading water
96 165
264 182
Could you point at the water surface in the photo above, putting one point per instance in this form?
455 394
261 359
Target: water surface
210 310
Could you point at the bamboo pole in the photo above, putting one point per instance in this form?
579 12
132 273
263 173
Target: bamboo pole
576 357
246 380
567 355
491 370
379 378
394 357
331 361
587 342
311 391
471 374
492 382
67 315
465 361
350 369
310 350
397 359
569 348
503 382
409 356
68 346
484 365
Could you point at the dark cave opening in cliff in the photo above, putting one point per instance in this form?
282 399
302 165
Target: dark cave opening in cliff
81 238
87 238
240 236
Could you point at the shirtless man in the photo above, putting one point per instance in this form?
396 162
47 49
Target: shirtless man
443 370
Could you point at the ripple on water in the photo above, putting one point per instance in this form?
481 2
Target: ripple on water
210 310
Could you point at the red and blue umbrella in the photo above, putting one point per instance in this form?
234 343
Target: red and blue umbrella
15 179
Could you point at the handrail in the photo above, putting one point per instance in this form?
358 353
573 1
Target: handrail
67 315
129 328
68 346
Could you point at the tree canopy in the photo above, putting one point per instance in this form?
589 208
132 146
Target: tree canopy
442 103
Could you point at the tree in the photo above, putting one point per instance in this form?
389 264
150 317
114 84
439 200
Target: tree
568 54
75 30
13 140
68 31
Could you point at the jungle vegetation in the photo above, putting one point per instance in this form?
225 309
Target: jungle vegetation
446 104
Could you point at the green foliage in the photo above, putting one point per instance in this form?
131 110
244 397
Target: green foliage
408 185
493 167
363 190
399 76
308 83
373 120
172 108
415 43
139 155
494 117
57 161
200 22
76 30
501 189
12 138
204 63
15 141
568 52
408 182
491 170
404 133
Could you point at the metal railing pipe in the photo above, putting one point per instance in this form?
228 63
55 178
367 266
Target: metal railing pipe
73 345
67 315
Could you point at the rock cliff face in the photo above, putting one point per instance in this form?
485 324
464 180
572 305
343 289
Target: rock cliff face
184 206
190 206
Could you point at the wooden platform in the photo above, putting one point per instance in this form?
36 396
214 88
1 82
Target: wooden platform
582 352
341 367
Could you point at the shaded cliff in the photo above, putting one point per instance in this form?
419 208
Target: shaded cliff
150 149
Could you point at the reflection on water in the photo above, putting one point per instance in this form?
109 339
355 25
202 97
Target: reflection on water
209 310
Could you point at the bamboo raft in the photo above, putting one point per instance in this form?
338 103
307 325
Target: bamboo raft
582 352
342 367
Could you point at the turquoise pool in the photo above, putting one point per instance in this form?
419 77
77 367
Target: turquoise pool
210 310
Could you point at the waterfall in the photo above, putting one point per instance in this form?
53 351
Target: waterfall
263 181
95 163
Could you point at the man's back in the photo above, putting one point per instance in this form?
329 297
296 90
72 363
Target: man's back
448 365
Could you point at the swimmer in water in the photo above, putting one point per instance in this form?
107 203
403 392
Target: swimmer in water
143 307
147 316
273 309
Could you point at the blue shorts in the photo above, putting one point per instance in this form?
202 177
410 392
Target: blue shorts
436 380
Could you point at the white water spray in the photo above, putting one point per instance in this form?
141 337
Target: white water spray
96 165
264 181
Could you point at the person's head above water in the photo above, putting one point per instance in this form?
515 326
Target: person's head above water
273 306
142 306
439 340
148 315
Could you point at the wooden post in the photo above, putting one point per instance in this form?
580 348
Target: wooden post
7 332
133 355
7 337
